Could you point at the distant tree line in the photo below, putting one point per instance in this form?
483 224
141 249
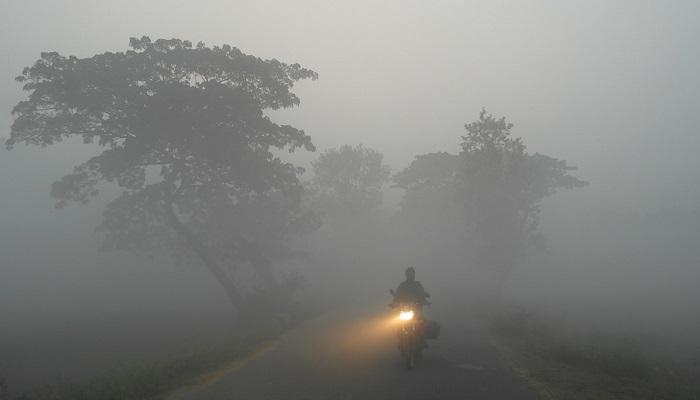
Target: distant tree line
186 140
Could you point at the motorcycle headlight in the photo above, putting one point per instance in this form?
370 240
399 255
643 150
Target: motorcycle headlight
406 315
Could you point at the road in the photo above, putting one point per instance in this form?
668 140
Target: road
351 354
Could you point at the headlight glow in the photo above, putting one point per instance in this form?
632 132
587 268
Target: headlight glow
406 315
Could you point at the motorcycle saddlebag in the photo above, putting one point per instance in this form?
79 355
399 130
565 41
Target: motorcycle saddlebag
432 329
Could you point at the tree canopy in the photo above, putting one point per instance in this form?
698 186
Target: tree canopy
494 184
187 141
429 181
349 181
502 185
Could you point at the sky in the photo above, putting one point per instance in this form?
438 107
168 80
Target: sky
610 86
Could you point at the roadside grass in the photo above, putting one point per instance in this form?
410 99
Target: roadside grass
600 367
155 379
160 378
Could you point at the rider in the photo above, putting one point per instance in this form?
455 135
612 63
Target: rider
412 291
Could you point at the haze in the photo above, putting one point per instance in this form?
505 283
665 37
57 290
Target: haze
609 86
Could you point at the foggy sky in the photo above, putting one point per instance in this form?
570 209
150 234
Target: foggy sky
610 86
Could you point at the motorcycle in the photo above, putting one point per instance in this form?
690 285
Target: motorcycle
411 333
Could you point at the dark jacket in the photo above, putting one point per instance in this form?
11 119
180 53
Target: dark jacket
410 291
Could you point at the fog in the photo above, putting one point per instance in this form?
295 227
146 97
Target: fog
609 86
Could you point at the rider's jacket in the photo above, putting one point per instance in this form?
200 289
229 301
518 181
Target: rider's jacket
410 291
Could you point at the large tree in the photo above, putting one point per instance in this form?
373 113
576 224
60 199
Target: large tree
187 141
502 186
494 186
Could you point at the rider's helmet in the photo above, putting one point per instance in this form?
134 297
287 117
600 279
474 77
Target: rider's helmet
410 273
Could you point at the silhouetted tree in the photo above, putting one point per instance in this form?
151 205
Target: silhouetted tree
430 184
348 181
502 186
430 220
493 186
186 141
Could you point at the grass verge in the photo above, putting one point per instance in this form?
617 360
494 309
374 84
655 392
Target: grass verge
159 378
601 367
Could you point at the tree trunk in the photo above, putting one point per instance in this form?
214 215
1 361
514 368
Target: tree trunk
201 250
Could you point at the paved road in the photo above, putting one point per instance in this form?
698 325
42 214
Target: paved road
351 354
